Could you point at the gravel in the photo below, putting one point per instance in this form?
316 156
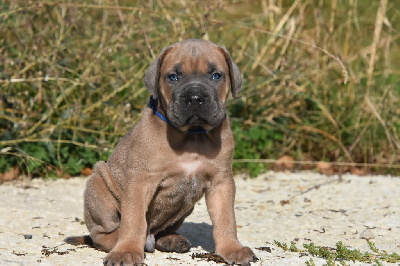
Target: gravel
302 207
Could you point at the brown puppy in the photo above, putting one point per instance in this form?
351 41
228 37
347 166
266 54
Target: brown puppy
181 149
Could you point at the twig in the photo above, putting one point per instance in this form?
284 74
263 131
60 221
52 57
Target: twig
345 74
377 32
15 141
330 181
376 114
380 165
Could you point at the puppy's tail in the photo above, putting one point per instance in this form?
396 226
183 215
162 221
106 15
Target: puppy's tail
79 240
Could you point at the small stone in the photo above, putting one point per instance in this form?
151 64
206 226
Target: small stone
28 236
367 234
369 225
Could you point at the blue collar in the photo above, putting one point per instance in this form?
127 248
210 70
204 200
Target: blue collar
166 120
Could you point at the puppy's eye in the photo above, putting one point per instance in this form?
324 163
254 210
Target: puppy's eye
173 77
216 76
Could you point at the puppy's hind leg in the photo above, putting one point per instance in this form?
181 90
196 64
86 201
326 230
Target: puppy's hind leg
170 241
101 209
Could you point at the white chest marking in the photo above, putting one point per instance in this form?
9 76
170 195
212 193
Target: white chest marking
191 167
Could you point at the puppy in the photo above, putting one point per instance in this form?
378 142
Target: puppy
181 149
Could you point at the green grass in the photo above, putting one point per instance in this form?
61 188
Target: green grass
342 253
321 79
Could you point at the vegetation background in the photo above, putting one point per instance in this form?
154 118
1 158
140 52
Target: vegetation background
321 78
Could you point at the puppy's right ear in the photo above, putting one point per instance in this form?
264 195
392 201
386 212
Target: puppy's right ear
152 77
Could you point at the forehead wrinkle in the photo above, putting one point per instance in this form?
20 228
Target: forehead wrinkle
212 67
194 51
195 64
195 58
171 62
176 68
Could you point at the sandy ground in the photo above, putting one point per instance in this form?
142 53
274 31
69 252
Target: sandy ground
299 207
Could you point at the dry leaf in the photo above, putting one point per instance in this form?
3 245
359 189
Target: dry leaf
358 171
86 171
62 174
10 175
285 163
325 168
284 202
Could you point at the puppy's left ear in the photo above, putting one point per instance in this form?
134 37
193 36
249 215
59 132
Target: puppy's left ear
234 73
152 77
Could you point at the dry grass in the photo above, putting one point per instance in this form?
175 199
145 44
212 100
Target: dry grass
321 79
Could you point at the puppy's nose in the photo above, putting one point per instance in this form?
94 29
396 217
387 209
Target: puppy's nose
194 99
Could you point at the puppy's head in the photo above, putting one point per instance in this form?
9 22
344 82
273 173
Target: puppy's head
190 82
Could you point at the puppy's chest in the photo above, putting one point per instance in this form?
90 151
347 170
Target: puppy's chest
185 183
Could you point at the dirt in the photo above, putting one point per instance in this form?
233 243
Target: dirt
302 207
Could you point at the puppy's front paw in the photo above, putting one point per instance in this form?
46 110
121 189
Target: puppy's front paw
238 255
127 258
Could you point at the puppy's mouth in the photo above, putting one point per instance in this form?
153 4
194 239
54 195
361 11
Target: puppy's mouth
196 121
196 124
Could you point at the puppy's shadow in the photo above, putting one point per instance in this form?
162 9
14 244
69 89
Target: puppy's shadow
198 234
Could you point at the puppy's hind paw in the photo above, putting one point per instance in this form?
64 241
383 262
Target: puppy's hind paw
173 243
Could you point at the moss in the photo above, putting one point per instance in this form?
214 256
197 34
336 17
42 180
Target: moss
341 253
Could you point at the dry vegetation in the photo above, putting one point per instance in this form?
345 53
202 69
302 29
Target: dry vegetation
321 78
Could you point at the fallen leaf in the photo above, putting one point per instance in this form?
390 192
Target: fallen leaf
358 171
301 188
284 202
285 163
86 171
62 174
325 168
10 175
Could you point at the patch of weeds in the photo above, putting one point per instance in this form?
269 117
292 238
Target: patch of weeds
310 262
342 253
293 247
373 247
250 143
69 112
281 245
324 252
